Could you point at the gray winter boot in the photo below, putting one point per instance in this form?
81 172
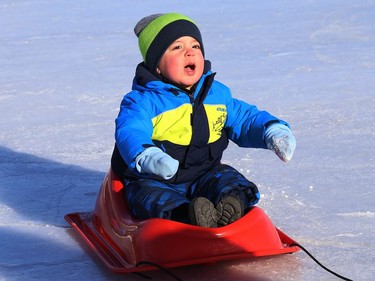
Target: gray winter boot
203 213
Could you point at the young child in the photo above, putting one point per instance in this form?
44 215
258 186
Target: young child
174 125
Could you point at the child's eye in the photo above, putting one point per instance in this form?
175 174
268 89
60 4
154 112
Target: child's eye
197 46
177 47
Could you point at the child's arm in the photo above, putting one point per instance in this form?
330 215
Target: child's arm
133 138
249 127
133 129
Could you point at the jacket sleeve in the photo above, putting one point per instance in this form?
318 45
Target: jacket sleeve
246 124
133 128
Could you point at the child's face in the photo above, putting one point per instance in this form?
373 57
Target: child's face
183 62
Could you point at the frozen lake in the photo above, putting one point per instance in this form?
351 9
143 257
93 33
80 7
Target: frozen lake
65 66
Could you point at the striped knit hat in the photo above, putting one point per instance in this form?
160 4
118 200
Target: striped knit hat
157 32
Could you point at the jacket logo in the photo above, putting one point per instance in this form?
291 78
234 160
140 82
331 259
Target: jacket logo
218 125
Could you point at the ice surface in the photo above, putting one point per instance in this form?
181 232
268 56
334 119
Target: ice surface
65 66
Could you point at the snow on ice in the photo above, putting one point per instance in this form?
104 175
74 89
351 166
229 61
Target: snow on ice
65 66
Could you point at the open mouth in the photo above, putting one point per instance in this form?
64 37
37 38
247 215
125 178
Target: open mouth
190 67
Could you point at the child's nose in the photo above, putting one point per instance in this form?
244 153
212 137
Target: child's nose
189 52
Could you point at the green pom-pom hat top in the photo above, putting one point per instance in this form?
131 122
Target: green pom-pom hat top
157 32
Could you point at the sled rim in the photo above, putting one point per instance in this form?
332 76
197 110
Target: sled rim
111 257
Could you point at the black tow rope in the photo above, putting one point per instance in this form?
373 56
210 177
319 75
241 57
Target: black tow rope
291 245
175 277
319 263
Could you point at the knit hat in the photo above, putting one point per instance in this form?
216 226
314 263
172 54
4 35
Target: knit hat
157 32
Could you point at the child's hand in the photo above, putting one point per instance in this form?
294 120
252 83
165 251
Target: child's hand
280 140
154 161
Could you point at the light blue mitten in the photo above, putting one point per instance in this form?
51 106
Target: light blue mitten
279 139
154 161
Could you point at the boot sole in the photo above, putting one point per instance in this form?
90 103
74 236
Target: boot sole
203 213
231 210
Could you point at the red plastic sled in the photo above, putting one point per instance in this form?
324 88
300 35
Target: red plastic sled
122 242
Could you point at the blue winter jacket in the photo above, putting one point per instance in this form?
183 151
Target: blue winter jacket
191 126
